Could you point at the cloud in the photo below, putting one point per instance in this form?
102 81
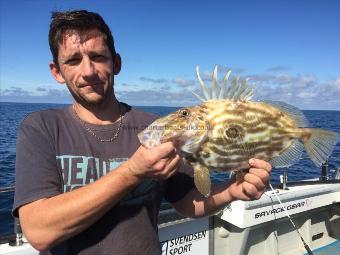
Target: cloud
40 95
183 82
337 84
17 91
278 68
165 87
272 78
305 91
153 80
306 94
161 97
41 89
128 86
235 70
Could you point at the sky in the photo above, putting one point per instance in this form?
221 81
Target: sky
289 50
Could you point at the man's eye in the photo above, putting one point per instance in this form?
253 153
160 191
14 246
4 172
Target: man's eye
98 58
73 61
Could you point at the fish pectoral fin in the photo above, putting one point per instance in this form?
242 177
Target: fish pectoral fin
202 179
288 156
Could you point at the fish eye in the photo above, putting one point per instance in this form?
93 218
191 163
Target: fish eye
232 132
184 113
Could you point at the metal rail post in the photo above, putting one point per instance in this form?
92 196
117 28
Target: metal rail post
324 172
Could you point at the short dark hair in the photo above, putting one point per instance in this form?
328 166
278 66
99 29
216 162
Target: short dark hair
80 20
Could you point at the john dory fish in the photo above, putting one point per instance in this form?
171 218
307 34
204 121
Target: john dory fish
228 129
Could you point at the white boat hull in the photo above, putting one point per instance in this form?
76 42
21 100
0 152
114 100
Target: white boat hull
254 228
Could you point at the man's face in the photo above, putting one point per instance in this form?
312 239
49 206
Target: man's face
87 67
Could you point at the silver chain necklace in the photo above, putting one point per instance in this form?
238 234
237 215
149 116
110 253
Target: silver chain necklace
90 130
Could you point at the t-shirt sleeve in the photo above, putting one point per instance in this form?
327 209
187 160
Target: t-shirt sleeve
36 174
179 184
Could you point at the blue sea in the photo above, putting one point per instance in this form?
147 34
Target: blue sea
11 115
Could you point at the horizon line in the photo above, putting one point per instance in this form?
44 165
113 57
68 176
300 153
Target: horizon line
56 103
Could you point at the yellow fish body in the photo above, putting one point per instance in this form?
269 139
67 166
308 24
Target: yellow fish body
228 129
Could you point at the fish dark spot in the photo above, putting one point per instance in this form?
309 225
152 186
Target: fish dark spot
232 132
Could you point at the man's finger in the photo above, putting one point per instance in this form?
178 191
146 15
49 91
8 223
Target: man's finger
255 180
171 168
164 150
261 164
263 174
251 191
173 163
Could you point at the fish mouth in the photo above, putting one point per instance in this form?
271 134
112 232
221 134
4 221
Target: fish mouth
187 136
154 135
150 137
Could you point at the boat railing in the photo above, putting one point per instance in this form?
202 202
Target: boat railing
16 239
337 174
323 179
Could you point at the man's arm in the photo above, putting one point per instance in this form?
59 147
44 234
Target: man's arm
47 222
251 187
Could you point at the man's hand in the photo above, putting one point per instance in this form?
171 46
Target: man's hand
253 183
160 162
250 187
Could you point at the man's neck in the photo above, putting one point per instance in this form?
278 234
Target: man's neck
105 114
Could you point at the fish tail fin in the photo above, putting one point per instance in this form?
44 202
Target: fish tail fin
319 144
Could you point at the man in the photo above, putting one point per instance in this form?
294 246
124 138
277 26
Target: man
84 185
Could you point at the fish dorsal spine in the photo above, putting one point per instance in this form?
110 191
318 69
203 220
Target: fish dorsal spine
235 89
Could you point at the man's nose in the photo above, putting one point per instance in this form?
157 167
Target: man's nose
87 68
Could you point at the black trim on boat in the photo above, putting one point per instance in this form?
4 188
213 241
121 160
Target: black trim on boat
7 238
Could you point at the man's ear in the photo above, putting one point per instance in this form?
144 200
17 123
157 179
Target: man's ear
117 64
56 72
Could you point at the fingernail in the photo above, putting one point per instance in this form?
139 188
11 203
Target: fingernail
251 161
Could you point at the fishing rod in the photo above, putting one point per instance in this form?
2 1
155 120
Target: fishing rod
309 251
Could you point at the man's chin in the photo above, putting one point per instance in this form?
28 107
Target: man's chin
93 101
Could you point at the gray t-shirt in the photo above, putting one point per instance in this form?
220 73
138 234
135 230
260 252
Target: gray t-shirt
55 154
